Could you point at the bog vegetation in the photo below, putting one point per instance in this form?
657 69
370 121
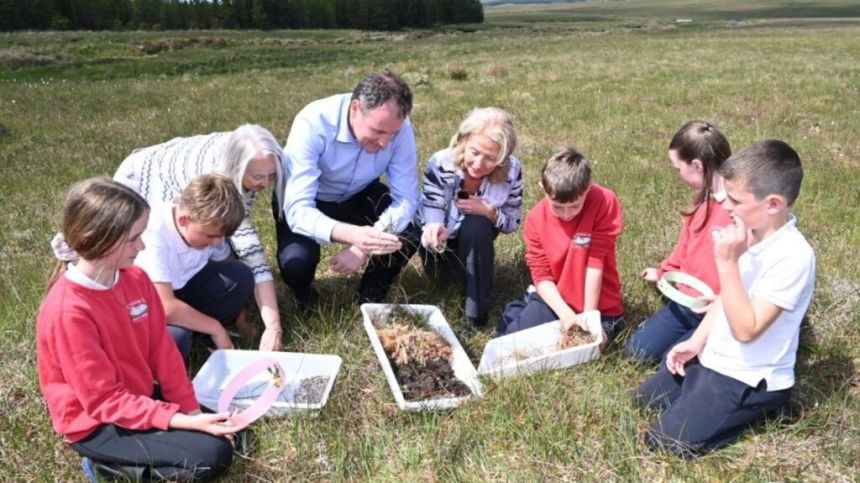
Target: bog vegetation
616 79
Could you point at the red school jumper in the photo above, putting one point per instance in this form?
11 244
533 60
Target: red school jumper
99 352
694 252
560 251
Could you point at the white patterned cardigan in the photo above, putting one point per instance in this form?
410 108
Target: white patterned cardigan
160 173
442 180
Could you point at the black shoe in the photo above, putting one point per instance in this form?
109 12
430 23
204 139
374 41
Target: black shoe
368 296
478 322
308 299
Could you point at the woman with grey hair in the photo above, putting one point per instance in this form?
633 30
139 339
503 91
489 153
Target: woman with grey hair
472 192
253 159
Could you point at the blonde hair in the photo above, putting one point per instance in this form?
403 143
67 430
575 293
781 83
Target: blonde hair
212 200
497 125
99 213
247 143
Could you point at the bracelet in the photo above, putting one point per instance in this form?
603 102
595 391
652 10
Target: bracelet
672 293
259 407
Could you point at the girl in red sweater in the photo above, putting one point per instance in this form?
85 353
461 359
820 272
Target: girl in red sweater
102 346
697 150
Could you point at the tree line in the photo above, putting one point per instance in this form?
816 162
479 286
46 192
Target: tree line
233 14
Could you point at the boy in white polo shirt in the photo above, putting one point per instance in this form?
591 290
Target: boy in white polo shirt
187 258
738 367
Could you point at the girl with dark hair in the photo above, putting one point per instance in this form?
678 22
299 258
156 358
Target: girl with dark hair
697 151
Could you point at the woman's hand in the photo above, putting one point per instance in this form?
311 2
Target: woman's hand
474 205
435 236
271 339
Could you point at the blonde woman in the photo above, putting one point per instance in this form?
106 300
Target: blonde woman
472 192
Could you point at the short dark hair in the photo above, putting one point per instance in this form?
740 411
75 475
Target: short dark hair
379 87
566 175
766 168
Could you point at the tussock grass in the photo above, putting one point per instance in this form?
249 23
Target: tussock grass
616 88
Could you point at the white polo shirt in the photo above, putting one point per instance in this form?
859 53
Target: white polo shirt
779 270
167 258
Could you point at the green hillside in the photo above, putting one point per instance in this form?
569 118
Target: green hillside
675 9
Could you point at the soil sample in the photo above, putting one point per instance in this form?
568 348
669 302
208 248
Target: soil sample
311 390
420 357
574 336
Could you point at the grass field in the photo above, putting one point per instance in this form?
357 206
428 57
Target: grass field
616 79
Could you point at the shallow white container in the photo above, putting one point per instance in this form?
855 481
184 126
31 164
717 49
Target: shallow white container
460 363
223 364
534 349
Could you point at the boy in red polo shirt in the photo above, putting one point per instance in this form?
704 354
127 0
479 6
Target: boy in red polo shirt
570 237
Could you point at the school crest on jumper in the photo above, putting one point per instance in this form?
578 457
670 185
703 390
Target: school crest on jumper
138 310
581 239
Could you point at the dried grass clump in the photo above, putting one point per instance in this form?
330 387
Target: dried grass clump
405 345
496 70
574 336
19 58
151 47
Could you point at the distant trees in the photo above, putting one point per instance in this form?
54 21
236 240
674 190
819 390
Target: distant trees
234 14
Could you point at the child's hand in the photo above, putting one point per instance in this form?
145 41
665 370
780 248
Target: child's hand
682 353
730 242
219 424
649 275
222 339
578 319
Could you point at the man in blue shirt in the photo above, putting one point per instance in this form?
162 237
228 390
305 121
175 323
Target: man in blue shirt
337 150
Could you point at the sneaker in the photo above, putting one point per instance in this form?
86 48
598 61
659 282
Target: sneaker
96 471
89 471
246 442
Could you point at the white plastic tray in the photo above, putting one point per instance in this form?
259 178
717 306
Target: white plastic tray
223 364
534 349
462 366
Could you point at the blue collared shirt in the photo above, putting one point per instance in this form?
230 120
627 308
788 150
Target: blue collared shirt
325 162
